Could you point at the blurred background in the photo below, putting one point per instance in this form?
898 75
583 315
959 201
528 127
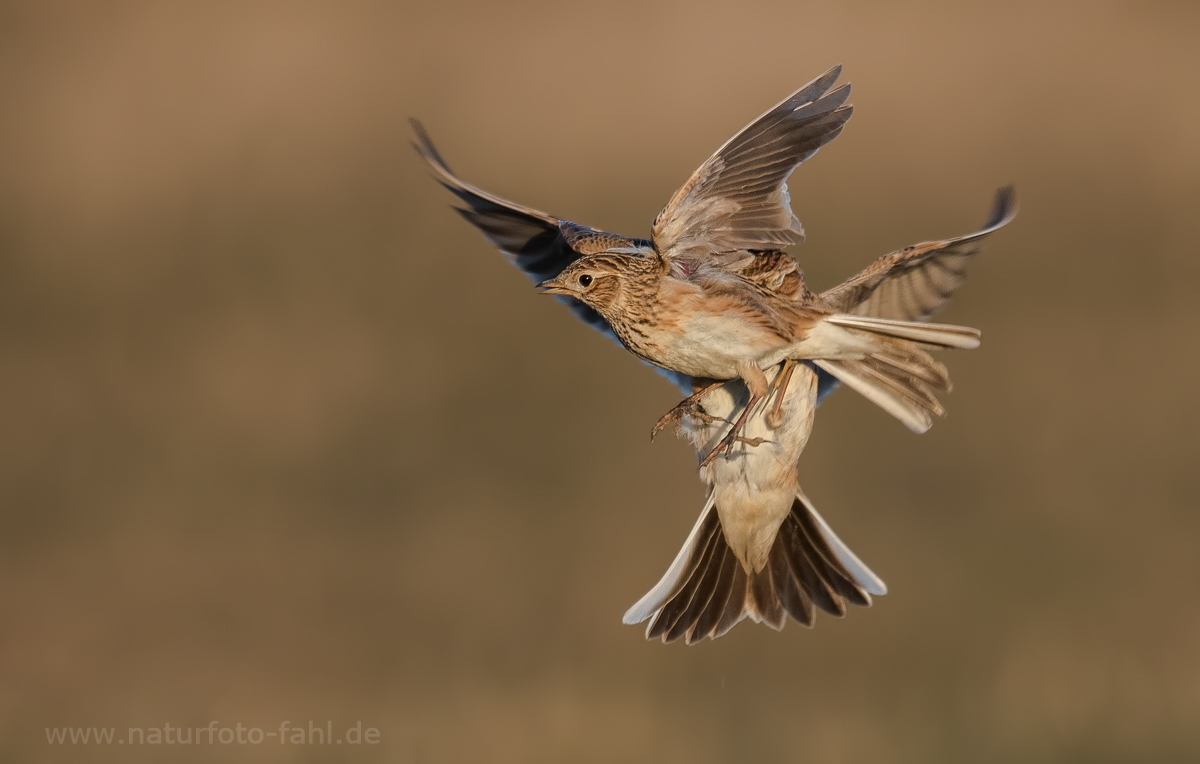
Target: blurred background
282 438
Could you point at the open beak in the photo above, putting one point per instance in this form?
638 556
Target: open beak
550 286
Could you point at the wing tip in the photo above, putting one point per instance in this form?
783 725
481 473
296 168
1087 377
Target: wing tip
423 143
1004 208
427 151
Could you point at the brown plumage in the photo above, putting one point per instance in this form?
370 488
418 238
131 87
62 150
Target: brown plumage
720 325
713 296
759 550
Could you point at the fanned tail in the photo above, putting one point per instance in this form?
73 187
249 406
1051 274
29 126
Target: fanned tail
708 590
899 375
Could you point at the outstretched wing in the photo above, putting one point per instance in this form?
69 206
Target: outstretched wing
541 245
738 199
915 282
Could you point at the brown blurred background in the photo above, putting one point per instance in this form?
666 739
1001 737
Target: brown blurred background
282 438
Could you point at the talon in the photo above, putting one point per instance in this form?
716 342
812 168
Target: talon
677 414
689 406
667 418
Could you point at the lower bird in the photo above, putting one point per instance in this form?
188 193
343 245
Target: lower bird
759 549
713 297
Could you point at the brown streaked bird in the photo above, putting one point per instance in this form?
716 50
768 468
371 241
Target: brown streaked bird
713 296
759 549
683 303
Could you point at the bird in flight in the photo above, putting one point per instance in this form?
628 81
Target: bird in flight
716 303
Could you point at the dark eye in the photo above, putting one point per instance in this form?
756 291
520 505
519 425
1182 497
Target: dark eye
585 280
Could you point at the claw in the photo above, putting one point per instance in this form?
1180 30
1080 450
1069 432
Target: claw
689 406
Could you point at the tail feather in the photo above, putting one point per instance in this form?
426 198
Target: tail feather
767 601
713 591
705 582
911 359
905 402
730 607
821 554
791 595
683 567
917 390
938 335
847 560
802 560
670 613
898 374
709 617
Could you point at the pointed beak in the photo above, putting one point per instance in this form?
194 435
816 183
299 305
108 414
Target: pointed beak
550 286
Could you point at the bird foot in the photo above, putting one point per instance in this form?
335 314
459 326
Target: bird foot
676 415
734 435
689 406
725 447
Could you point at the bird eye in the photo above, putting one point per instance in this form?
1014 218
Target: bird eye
585 280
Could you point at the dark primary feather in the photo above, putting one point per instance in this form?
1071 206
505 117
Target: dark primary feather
541 245
738 200
537 243
913 283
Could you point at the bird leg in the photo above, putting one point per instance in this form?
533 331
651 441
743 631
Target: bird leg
689 406
756 381
733 436
775 417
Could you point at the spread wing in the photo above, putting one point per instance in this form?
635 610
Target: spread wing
738 199
915 282
541 245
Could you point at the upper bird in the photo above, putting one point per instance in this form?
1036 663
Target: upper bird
712 295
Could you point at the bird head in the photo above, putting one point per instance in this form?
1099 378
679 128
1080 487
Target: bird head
595 280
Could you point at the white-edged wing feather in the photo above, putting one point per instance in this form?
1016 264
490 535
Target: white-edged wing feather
738 199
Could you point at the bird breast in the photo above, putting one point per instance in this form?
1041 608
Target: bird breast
705 335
